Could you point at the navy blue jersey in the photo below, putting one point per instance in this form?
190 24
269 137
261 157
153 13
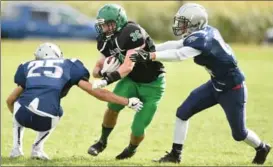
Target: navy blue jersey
217 57
49 81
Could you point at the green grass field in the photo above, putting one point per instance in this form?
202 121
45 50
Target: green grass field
209 140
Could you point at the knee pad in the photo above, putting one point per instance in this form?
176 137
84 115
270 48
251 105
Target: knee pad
183 112
186 109
239 135
138 129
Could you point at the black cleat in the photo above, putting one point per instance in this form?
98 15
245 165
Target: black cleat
169 158
125 154
261 155
96 148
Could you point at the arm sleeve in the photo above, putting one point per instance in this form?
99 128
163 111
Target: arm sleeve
20 77
78 72
177 54
169 45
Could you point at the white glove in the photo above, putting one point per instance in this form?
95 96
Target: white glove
99 83
135 104
111 66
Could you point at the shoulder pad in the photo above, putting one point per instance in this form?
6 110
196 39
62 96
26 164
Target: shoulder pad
75 61
131 36
196 40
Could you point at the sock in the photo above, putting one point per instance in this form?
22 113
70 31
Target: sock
180 131
262 145
253 140
18 132
132 148
41 138
105 133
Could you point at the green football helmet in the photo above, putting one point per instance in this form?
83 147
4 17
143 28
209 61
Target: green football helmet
111 18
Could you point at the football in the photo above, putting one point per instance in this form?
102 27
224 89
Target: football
110 64
108 59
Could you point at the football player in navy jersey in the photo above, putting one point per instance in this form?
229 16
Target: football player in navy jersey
226 87
35 102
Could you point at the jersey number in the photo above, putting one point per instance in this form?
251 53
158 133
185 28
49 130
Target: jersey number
58 71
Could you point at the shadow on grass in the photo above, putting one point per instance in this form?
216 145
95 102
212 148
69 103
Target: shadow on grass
68 161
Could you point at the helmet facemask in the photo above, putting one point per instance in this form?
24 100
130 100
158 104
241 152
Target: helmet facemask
107 28
183 26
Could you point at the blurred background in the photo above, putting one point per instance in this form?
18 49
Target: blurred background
246 25
239 22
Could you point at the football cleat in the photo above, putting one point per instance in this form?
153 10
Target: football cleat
38 153
96 148
16 152
170 157
261 155
126 153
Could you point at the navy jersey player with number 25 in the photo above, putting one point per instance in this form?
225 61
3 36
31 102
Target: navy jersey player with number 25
35 102
226 87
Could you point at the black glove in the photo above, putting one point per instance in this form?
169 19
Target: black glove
140 56
102 74
112 77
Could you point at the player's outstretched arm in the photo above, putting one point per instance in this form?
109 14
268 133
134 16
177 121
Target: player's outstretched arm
180 54
169 45
105 95
13 97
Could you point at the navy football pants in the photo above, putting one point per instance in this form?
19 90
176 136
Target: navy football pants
232 101
33 121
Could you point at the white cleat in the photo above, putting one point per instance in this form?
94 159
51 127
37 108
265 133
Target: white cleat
16 152
38 153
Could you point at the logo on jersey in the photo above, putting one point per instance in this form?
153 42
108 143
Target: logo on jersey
192 39
136 35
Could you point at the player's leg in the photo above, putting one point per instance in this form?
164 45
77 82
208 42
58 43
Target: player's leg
234 104
150 94
28 119
125 88
18 133
199 99
38 145
44 127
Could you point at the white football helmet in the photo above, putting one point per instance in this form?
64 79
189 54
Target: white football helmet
48 51
189 18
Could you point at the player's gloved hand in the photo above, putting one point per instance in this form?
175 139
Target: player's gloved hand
110 64
140 56
99 83
135 104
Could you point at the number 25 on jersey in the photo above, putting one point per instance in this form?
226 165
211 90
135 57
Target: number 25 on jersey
49 68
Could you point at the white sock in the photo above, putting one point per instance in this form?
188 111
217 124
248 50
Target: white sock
18 133
180 131
252 139
41 138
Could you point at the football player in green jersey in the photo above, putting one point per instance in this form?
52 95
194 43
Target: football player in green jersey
144 80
